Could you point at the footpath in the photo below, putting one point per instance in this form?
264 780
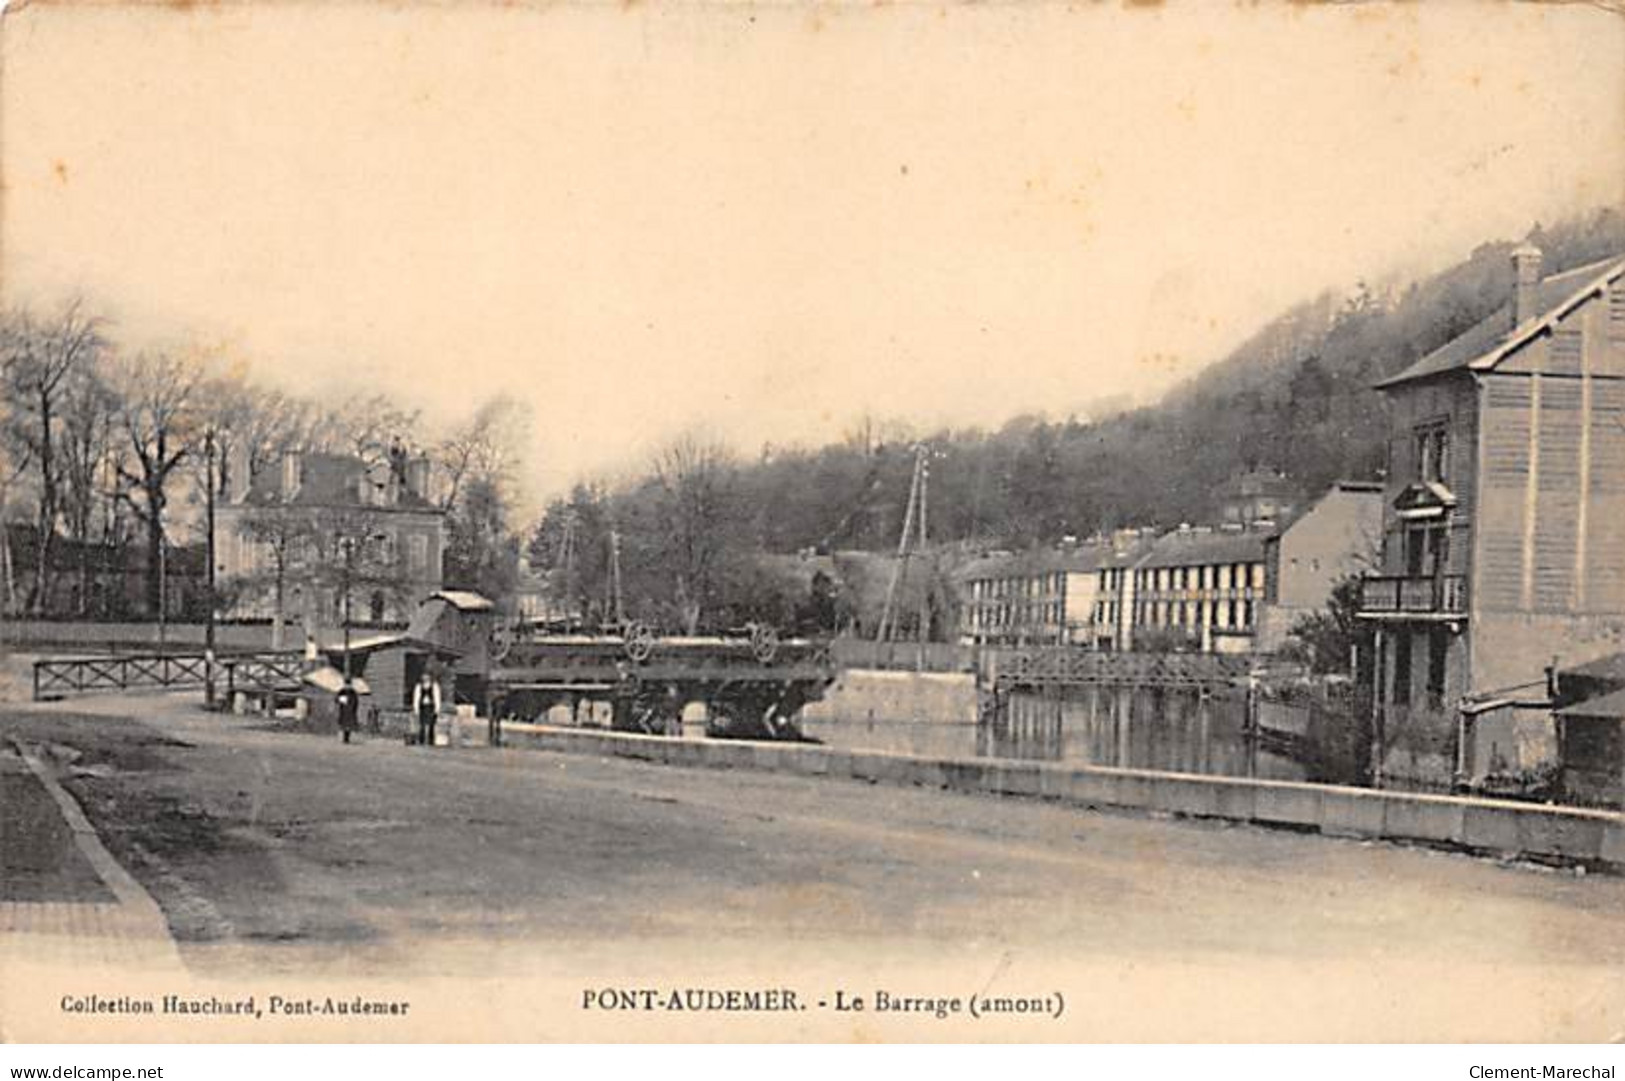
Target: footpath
65 903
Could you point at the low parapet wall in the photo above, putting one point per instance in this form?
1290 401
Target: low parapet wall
1494 827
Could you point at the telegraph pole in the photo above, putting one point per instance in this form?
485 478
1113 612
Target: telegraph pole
208 625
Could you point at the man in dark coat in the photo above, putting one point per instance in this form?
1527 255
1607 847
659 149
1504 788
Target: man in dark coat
349 703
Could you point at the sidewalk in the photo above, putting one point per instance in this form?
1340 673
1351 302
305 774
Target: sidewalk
64 900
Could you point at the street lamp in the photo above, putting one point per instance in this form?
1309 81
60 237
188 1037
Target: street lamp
347 544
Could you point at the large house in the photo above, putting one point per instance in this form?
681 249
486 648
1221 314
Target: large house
281 536
1503 547
1202 586
1045 597
1336 537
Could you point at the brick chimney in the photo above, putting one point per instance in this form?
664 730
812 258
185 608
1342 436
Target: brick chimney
417 477
292 473
1526 259
237 472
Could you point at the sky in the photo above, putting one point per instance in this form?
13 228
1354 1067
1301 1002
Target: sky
762 221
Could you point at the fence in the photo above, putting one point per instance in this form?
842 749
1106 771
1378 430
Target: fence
127 672
1062 666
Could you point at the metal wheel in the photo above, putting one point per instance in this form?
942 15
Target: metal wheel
503 633
640 642
764 642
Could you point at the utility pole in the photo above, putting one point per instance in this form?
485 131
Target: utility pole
208 625
616 602
915 512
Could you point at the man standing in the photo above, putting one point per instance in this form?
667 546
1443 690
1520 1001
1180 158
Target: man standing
349 703
426 707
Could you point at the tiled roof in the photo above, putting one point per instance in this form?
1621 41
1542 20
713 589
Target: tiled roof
1490 339
1082 559
328 480
1191 548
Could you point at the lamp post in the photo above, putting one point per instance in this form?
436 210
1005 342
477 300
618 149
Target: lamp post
163 592
347 544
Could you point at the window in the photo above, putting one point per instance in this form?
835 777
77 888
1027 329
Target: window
418 547
1433 453
1438 649
1402 669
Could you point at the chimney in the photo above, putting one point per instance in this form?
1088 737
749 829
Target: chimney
1525 282
292 471
417 477
237 472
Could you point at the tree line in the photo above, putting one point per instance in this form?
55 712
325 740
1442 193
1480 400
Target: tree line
1296 398
112 450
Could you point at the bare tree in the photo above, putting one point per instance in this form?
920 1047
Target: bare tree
694 474
261 423
478 461
368 428
89 407
486 448
353 551
284 535
39 357
158 417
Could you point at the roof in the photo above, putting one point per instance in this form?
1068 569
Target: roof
1081 559
1611 667
1260 482
1486 343
463 600
1189 548
1608 707
329 480
1372 488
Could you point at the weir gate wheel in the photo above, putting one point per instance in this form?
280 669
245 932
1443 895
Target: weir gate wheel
764 642
640 642
503 633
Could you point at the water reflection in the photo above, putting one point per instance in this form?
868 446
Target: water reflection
1135 728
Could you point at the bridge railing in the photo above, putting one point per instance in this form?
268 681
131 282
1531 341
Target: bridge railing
1057 666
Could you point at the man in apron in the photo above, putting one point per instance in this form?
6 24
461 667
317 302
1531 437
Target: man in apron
426 707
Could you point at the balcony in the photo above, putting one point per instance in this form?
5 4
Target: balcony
1400 596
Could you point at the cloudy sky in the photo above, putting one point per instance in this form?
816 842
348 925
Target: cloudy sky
766 219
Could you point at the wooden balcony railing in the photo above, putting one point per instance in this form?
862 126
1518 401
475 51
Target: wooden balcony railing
1382 594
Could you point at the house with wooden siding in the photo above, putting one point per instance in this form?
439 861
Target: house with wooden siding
1503 549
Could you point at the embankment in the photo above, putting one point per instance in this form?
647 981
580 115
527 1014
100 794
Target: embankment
1486 827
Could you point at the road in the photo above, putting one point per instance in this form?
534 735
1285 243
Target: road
277 852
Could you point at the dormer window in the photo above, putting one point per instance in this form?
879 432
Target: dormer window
1433 454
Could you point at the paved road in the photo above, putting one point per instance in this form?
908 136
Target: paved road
288 853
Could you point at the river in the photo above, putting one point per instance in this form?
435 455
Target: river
1136 728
